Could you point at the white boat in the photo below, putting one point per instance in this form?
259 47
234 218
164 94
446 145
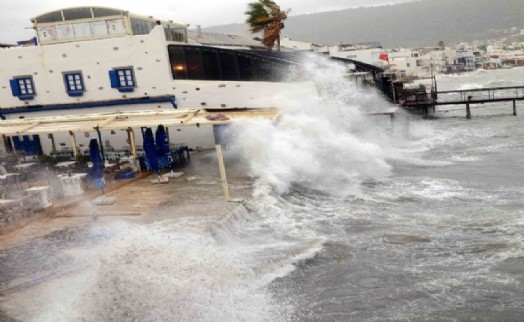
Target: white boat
104 60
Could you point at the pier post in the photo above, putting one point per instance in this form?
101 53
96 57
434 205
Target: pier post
514 108
222 172
468 111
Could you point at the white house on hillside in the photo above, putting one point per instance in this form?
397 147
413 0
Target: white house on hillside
295 45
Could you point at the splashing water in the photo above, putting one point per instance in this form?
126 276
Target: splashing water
203 270
325 141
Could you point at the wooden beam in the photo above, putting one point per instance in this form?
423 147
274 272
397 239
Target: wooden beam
132 142
73 142
189 117
107 121
30 126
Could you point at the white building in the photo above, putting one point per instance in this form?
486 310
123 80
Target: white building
93 60
295 45
366 52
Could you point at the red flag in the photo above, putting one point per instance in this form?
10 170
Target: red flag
384 56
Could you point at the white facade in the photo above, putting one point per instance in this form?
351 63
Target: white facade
409 63
363 54
296 45
148 58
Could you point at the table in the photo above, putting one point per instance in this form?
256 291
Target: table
9 175
9 182
73 183
23 166
24 169
43 193
65 164
130 163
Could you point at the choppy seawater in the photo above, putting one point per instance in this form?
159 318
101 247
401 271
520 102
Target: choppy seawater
350 221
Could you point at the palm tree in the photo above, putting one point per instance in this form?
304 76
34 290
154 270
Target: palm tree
266 16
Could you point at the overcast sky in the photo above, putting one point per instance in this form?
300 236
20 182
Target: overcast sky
16 14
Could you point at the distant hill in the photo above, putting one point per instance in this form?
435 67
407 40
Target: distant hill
413 24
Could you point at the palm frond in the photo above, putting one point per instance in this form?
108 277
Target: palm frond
266 16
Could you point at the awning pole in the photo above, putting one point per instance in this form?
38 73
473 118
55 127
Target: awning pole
97 128
4 143
73 142
222 172
132 142
13 147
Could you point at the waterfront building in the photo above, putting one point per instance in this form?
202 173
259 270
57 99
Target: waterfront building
364 52
100 60
287 43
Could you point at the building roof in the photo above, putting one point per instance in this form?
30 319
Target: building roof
87 12
214 39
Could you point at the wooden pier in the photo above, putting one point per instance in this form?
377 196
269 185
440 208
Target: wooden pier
423 102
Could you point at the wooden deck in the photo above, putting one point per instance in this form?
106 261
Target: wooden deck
467 96
423 102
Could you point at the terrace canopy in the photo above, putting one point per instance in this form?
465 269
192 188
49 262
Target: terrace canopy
129 120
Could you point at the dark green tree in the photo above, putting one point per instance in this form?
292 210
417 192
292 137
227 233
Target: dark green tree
265 16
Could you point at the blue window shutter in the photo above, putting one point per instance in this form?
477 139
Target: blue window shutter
15 88
113 77
126 89
75 94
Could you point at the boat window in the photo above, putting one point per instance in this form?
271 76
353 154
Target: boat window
141 27
77 13
177 57
179 34
263 69
168 33
23 87
123 79
126 77
50 17
200 62
74 83
228 66
245 67
194 63
104 12
210 62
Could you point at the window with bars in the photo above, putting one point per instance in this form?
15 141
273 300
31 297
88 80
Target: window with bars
23 87
122 79
74 83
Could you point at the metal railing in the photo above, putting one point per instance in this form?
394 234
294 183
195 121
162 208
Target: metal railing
480 95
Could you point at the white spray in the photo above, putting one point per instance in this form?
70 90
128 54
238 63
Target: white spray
325 142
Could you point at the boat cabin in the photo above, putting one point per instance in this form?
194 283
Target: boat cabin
90 23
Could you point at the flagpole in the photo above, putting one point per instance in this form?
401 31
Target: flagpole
391 77
385 56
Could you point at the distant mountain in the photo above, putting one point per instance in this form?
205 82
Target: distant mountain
413 24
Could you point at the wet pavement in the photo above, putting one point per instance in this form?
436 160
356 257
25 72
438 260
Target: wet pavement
36 252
